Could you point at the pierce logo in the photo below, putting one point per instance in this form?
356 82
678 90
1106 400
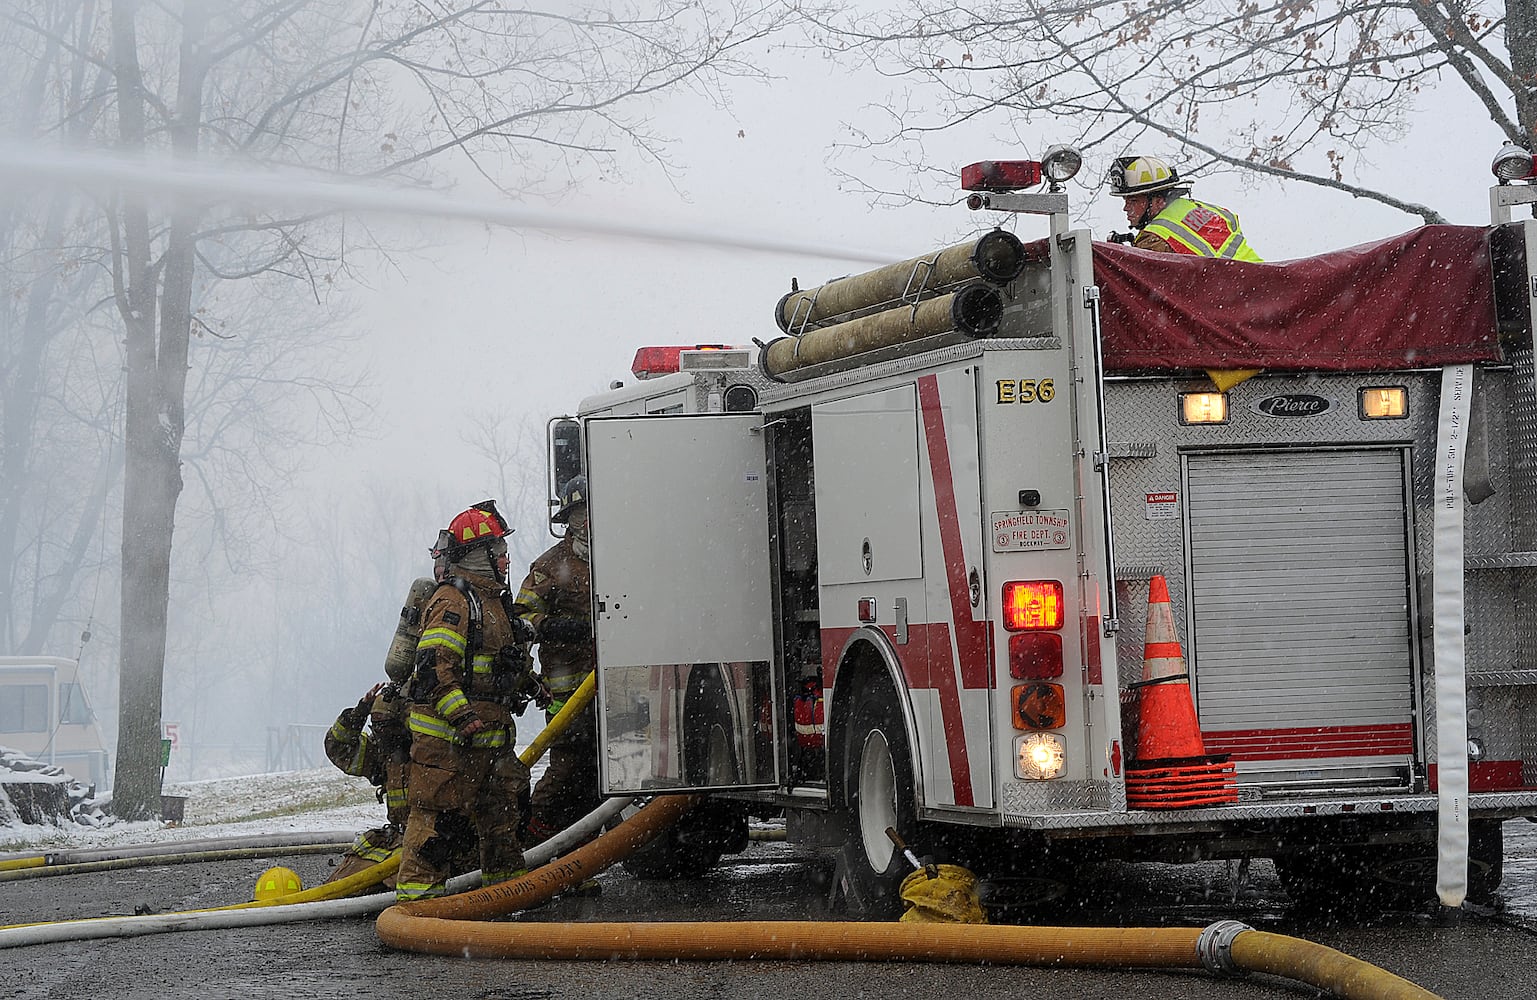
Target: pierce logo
1294 404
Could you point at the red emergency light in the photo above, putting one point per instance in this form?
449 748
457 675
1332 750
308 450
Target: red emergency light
1000 175
653 361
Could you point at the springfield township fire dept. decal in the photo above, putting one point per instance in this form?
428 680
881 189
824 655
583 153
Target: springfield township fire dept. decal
1294 404
1029 530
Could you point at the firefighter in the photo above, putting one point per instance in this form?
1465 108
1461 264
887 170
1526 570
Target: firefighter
469 682
556 600
370 740
379 753
1159 207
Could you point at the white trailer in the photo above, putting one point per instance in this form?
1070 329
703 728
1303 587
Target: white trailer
948 542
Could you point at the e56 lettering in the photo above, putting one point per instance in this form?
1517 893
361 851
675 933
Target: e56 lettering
1026 390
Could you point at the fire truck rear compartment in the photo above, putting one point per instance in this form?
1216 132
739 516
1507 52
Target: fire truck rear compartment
1287 546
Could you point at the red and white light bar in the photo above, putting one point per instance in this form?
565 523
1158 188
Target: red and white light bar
1059 165
653 361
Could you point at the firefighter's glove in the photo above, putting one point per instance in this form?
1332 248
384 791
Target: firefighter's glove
523 631
465 729
542 695
1123 237
357 715
566 628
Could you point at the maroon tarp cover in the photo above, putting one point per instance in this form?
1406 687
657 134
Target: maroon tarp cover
1421 299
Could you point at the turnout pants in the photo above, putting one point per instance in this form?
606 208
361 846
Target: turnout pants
449 785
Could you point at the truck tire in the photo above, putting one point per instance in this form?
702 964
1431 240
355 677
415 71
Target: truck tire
716 827
878 790
1395 876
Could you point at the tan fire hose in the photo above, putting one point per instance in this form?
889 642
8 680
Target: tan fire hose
464 925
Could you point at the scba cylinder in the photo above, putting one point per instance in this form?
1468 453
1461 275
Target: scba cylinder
400 660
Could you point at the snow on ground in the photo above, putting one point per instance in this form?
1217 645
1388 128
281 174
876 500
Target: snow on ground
319 800
284 802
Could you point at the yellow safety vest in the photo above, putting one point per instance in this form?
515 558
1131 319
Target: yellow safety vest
1202 230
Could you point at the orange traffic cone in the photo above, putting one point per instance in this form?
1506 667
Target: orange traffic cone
1166 724
1172 769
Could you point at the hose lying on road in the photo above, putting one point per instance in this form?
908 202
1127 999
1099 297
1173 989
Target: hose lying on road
992 944
295 907
464 925
190 857
76 856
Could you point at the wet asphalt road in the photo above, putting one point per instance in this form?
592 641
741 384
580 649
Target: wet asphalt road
1467 956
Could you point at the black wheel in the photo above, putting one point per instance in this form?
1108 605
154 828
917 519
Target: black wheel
878 790
1411 869
1486 859
1393 876
715 827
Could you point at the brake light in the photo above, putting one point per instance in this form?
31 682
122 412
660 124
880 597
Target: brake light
653 361
1000 175
1035 656
1032 604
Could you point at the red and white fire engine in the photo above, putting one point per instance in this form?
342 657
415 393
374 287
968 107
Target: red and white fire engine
892 568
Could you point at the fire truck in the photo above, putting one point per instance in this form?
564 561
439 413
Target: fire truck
890 572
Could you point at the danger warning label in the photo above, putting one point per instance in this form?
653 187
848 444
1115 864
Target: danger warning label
1162 506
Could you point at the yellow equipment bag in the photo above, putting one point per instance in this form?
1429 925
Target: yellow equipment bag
950 898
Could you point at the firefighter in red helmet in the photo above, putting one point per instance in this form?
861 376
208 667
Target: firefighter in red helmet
470 681
556 600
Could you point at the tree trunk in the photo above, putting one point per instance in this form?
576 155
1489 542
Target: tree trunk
156 390
1521 42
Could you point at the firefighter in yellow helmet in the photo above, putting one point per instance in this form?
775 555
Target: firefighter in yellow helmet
1159 207
556 599
469 683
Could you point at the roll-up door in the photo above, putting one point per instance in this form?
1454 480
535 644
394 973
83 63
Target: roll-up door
1300 610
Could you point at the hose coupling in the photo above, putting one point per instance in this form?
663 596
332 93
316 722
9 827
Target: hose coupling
1215 947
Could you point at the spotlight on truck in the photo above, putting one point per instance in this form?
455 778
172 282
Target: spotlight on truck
1060 165
1512 163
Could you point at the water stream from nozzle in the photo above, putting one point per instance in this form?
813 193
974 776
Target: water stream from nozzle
33 165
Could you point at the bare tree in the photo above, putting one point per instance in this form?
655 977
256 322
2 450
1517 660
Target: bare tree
58 391
534 99
1298 90
512 448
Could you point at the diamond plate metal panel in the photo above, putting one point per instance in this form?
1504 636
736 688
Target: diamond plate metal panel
1036 798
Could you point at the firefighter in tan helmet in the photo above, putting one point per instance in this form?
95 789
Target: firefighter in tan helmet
1159 206
470 680
556 600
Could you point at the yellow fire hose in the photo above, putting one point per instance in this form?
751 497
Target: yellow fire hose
20 864
465 925
148 861
579 699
